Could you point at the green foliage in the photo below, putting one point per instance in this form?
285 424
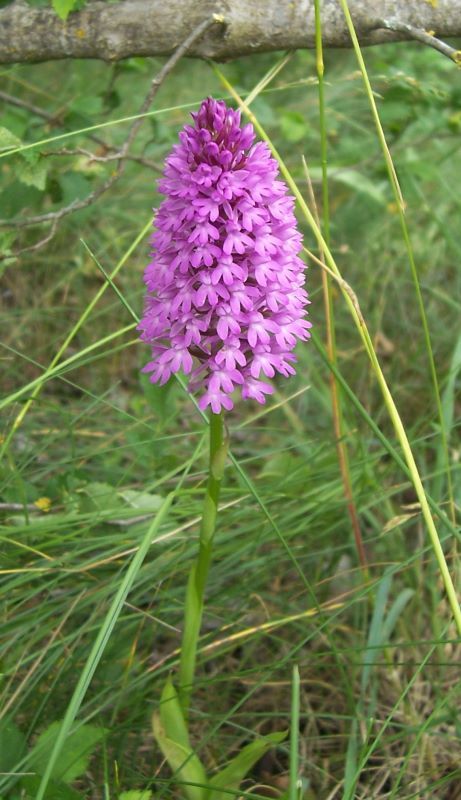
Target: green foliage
28 166
55 791
8 140
75 754
171 734
230 778
293 126
64 7
374 190
12 745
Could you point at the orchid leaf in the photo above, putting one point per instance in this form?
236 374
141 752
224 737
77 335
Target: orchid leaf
170 733
230 778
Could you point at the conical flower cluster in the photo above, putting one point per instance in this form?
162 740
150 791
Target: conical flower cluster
225 302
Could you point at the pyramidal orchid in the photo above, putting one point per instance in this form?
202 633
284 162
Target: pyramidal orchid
225 302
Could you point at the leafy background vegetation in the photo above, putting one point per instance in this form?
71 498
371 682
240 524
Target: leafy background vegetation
98 450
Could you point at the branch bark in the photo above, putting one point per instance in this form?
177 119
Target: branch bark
113 31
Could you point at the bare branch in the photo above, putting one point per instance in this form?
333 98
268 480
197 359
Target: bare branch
33 247
55 216
33 109
420 35
113 31
53 119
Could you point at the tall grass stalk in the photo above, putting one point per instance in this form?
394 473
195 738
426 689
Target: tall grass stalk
294 792
368 345
336 404
400 204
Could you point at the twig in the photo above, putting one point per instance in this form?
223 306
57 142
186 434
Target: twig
121 156
31 248
19 507
341 282
19 103
53 119
81 151
76 205
420 35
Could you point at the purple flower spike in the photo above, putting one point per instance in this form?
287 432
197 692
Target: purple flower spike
225 302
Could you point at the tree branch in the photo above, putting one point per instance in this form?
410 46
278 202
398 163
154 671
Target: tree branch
113 31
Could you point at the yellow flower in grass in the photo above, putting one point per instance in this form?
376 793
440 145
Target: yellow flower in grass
43 504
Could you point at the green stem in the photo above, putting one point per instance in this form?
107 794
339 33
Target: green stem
198 575
394 181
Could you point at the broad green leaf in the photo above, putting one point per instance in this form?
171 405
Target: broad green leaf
395 612
12 745
32 172
74 186
171 715
8 140
450 393
6 240
233 774
64 7
16 195
294 126
75 753
99 496
170 733
141 500
135 794
375 639
376 190
136 63
89 105
183 763
55 791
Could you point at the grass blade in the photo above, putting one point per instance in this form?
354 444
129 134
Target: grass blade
100 643
294 736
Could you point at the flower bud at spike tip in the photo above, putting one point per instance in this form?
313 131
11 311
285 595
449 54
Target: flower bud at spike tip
226 302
